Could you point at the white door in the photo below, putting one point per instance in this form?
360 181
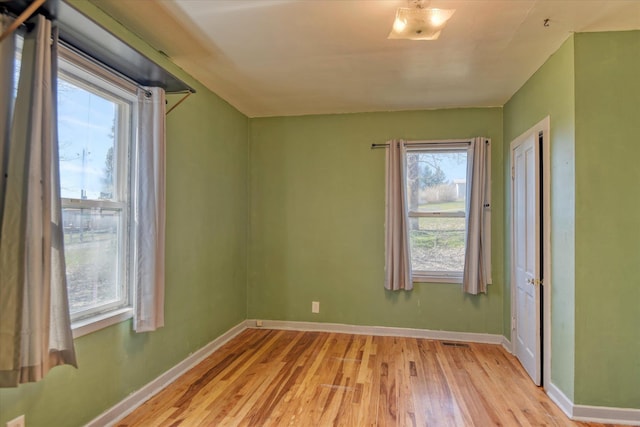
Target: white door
526 251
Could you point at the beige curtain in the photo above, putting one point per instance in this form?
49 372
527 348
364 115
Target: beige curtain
477 262
7 62
397 252
149 211
35 330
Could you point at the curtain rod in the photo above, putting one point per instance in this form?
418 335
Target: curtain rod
446 141
26 14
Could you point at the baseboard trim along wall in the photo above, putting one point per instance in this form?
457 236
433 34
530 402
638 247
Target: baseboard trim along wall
135 399
606 415
593 414
506 344
598 414
379 330
560 399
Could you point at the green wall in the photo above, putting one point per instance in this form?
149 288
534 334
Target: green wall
608 219
550 92
207 153
590 89
317 221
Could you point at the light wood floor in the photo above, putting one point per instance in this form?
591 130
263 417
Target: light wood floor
285 378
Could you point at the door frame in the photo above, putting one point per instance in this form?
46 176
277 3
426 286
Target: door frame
543 126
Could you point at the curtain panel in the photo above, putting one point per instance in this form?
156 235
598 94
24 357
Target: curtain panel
397 253
7 64
477 261
35 328
149 211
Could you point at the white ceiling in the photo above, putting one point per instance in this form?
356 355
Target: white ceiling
294 57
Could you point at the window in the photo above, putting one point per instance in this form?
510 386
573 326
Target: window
110 156
436 178
96 121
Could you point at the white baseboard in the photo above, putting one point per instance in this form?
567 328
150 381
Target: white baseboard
606 415
506 344
123 408
593 414
380 330
560 399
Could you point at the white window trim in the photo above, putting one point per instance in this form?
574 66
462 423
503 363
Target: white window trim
422 276
100 321
106 315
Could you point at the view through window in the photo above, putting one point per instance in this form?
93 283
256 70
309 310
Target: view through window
436 198
94 127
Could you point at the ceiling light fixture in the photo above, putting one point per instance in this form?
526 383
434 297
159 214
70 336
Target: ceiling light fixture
419 22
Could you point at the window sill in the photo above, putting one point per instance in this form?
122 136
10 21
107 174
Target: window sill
422 278
101 321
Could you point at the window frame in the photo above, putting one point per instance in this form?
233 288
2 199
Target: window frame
442 146
84 72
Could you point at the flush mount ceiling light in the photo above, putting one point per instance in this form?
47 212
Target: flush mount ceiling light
419 22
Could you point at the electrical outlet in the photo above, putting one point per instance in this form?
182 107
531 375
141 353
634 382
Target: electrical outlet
315 306
16 422
259 323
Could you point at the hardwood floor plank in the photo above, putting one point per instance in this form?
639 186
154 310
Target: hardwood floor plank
289 378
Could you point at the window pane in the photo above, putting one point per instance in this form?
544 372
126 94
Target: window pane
436 181
87 136
91 249
437 244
